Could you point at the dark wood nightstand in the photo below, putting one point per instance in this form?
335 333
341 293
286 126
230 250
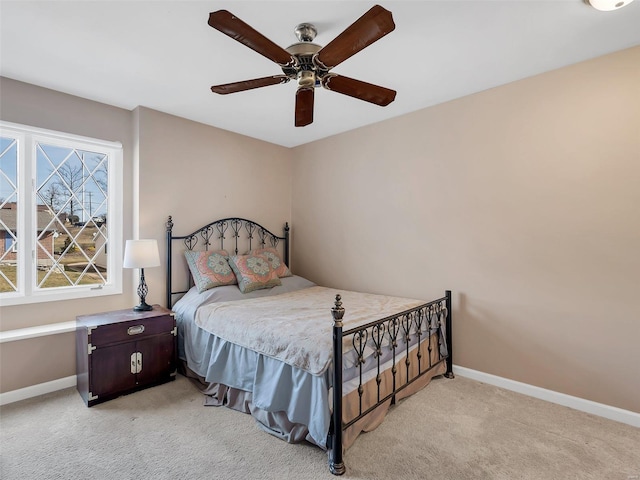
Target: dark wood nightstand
124 351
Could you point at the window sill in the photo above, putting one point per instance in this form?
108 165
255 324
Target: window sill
73 293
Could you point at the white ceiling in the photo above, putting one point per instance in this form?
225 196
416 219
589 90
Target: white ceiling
163 55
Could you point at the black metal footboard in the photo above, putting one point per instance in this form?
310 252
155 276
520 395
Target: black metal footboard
400 335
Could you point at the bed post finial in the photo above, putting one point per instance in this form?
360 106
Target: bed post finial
337 311
169 224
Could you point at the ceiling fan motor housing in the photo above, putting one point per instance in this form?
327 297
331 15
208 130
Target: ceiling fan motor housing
305 71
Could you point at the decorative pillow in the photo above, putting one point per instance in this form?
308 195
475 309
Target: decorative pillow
274 259
210 269
253 272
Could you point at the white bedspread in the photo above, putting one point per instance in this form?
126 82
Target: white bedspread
296 327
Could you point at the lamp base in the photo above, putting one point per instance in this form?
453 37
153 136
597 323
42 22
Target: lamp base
143 307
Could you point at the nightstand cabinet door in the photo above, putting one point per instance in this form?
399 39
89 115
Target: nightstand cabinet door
124 351
157 354
110 370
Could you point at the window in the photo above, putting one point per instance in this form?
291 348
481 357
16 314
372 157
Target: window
60 215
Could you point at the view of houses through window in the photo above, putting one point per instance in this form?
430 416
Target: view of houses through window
56 233
8 214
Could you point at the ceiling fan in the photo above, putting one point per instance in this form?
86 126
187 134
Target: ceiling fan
309 64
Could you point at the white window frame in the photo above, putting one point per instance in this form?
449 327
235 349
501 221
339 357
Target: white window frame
27 290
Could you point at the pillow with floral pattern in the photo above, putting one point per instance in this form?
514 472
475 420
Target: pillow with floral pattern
274 259
210 269
253 272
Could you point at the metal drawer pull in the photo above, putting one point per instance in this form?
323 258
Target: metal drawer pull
136 362
135 330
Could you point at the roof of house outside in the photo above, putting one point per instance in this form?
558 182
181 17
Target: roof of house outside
9 218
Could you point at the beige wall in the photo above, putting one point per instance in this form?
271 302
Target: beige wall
37 360
198 174
524 200
29 362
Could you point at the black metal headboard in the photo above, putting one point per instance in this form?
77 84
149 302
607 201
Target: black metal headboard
241 231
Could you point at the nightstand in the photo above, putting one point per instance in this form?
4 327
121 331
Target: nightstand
124 351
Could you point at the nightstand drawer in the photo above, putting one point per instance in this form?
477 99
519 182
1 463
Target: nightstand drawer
131 330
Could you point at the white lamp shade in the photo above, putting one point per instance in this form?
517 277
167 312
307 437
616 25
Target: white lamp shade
141 254
608 5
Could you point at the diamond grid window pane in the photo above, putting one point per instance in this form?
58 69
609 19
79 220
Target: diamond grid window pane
8 214
72 196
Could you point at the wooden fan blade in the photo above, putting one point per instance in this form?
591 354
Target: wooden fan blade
370 27
235 28
304 106
358 89
249 84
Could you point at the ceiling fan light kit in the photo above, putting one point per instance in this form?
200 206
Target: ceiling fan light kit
607 5
309 64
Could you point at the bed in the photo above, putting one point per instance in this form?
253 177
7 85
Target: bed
309 363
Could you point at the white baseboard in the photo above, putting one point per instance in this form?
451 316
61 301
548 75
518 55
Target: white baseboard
599 409
35 390
588 406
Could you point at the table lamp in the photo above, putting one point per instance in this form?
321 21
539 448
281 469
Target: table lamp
141 254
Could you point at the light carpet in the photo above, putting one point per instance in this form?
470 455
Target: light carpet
453 430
